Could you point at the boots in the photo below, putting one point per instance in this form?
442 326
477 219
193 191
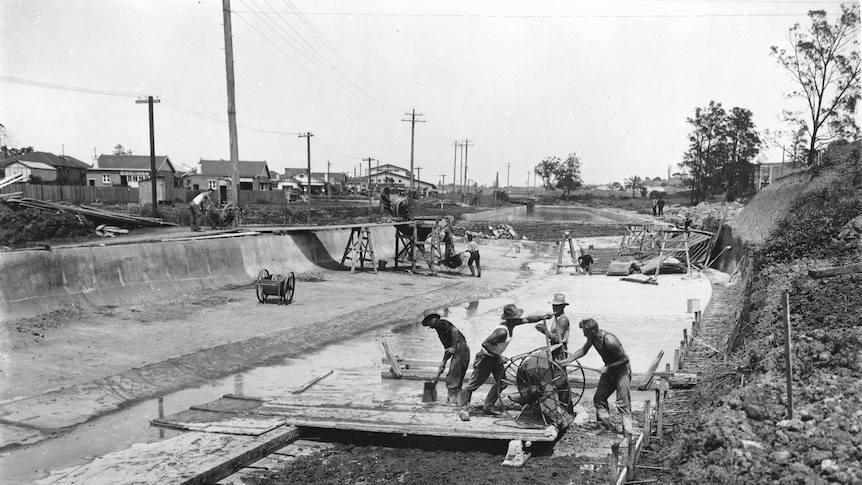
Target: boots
464 398
454 397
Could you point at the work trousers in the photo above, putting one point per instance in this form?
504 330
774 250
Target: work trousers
457 370
608 384
474 257
196 215
484 366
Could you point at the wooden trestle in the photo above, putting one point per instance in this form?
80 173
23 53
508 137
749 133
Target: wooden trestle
422 234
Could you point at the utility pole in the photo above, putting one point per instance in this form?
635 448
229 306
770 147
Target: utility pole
369 160
419 175
231 105
307 137
466 150
443 183
455 165
412 121
329 185
508 166
150 100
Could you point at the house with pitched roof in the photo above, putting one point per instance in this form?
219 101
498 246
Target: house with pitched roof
47 166
215 174
131 170
396 178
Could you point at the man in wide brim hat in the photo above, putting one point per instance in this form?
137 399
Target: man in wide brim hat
490 360
559 331
454 348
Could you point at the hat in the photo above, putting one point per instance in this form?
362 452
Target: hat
428 315
511 311
559 299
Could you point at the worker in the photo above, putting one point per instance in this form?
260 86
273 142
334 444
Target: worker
201 201
490 360
473 249
616 375
455 351
385 202
585 261
559 331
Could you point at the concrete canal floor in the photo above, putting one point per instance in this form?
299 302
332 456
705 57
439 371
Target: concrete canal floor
80 384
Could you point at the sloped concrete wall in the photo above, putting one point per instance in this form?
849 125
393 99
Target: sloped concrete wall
39 282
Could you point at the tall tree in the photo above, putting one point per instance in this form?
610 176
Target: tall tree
704 157
823 61
568 174
743 145
547 170
634 182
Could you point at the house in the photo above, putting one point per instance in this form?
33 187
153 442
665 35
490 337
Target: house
396 178
772 171
131 170
321 182
216 174
62 169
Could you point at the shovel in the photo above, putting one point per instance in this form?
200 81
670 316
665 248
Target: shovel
429 394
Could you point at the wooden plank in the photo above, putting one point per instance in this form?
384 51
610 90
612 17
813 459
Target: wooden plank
399 421
395 368
311 383
218 422
188 459
835 270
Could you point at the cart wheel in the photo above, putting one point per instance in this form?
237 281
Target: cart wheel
230 215
261 295
291 285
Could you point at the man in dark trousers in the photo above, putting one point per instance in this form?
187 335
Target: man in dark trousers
490 360
616 375
454 348
559 331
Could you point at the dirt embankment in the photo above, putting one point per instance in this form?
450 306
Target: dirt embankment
738 432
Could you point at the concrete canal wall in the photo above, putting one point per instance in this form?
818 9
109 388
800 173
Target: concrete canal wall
39 282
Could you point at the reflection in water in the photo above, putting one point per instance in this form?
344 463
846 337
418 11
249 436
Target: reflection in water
237 385
161 415
472 308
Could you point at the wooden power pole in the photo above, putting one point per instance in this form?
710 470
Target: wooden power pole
233 194
150 100
307 137
412 121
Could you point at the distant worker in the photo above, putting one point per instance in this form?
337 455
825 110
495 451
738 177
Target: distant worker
473 248
687 224
385 202
455 350
490 360
616 375
559 331
661 207
585 261
201 201
655 207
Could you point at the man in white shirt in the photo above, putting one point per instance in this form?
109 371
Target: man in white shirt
195 207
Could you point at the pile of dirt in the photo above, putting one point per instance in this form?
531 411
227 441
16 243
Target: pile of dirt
738 431
29 227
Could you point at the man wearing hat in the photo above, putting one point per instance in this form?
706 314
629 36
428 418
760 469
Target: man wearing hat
616 375
490 360
454 348
559 331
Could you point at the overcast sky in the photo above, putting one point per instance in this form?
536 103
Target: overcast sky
612 81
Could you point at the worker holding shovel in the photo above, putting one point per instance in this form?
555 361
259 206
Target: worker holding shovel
454 348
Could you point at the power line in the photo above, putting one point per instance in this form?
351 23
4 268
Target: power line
554 16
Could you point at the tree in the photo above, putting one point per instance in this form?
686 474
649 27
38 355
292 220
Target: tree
119 149
568 174
824 63
743 146
634 182
547 170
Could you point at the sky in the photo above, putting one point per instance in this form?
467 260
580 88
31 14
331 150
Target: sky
611 81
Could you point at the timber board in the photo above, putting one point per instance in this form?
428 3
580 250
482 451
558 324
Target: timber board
406 420
188 459
219 422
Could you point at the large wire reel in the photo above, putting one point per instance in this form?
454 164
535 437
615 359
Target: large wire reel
535 390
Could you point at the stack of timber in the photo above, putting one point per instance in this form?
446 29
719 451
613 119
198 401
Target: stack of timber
94 214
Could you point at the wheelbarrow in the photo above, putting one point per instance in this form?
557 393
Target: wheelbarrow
278 285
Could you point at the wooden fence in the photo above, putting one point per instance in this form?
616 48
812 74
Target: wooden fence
76 194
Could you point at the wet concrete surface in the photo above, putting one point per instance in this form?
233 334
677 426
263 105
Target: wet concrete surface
646 318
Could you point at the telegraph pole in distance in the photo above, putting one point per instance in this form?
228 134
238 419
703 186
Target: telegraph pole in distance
443 183
412 121
455 165
231 104
307 137
466 150
328 183
508 166
370 200
150 100
419 174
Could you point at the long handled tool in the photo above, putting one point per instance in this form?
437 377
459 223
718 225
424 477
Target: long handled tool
429 394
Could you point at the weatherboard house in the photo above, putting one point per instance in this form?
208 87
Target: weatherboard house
131 170
46 167
396 178
216 175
